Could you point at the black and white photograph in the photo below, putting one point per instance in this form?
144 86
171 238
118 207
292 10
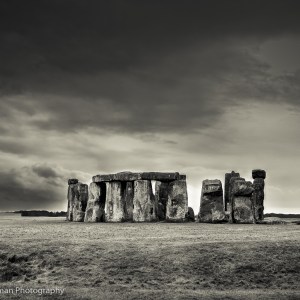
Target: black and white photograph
150 149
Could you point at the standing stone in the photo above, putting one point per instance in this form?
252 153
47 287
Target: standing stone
228 176
128 200
71 198
241 201
177 205
161 198
80 202
114 206
144 206
258 193
211 204
95 211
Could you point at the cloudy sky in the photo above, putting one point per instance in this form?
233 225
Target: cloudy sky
199 87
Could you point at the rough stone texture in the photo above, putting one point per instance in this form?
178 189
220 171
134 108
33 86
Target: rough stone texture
177 205
190 215
129 176
80 202
114 205
228 176
161 198
144 206
95 211
258 198
241 201
211 204
161 176
128 200
71 199
230 204
258 173
72 181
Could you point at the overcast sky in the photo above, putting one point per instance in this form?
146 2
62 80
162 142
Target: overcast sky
199 87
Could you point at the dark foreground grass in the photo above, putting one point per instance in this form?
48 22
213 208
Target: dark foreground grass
150 261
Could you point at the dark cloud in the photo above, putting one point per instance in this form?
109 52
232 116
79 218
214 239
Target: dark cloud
17 192
40 186
143 66
45 171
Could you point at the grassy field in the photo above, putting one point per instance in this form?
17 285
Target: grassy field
149 261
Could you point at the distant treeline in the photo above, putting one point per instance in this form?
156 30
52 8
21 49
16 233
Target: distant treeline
41 213
282 215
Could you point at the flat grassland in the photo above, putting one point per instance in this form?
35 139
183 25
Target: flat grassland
149 261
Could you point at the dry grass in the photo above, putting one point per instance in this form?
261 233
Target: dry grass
150 261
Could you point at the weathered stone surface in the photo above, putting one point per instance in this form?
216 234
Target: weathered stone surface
258 173
121 176
71 199
144 206
242 188
161 198
211 204
230 204
228 176
114 205
258 198
190 215
177 205
129 176
160 176
80 202
128 200
72 181
95 211
241 201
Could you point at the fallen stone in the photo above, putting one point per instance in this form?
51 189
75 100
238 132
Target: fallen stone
241 202
114 205
258 198
95 211
211 204
80 202
258 173
144 206
228 176
190 215
177 205
273 221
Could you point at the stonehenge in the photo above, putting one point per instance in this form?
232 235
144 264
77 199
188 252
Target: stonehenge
129 197
157 196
